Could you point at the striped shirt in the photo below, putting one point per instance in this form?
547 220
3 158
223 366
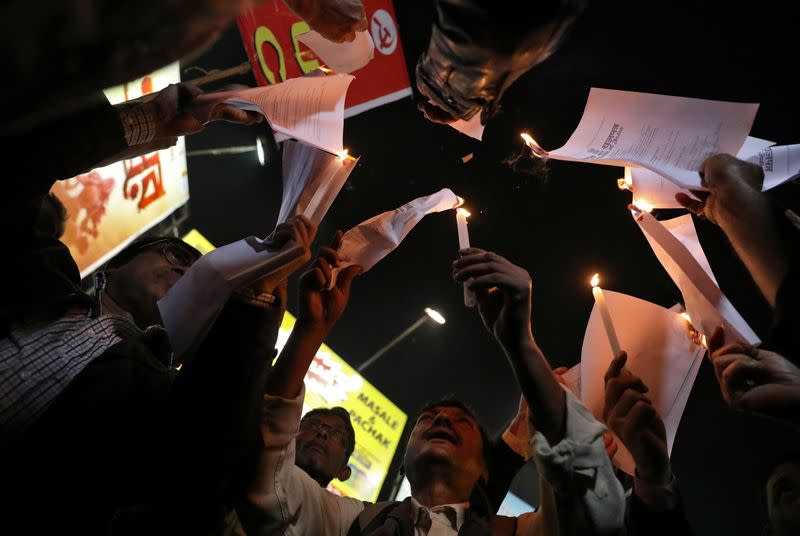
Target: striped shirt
37 365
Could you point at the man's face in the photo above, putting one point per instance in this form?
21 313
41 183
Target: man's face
321 446
138 284
447 436
783 499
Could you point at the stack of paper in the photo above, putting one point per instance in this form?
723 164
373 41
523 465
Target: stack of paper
309 108
311 180
371 240
671 136
677 247
660 351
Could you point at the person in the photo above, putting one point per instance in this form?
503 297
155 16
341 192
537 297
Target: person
335 20
780 498
478 49
140 446
762 237
447 453
755 380
654 506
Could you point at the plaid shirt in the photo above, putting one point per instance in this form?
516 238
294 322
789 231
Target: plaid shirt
37 365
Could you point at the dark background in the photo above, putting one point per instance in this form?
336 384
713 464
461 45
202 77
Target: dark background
562 227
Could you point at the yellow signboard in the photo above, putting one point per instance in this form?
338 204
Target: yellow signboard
330 381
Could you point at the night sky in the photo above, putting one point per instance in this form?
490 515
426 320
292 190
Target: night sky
562 225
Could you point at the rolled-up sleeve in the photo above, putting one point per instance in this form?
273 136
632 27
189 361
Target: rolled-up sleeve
578 467
283 492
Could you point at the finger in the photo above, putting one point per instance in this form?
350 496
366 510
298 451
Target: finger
486 282
314 279
616 366
325 267
346 276
475 270
693 205
560 370
330 255
477 258
336 243
310 229
471 251
742 376
638 418
721 363
434 113
619 384
624 405
611 450
716 340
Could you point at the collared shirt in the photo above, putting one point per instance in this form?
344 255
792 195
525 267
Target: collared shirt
443 520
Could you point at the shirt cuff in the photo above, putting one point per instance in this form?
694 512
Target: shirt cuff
659 497
280 419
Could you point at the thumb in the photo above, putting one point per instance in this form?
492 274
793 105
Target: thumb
346 276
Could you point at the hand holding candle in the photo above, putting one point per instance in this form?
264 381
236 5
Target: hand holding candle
463 243
600 300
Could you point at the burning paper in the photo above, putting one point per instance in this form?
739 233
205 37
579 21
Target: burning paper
370 241
189 308
659 350
671 136
677 247
311 180
309 108
341 57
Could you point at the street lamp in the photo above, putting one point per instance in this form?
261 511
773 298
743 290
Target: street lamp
430 314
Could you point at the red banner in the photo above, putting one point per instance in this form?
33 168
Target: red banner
270 31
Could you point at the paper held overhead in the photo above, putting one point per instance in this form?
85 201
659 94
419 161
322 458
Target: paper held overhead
309 108
671 136
677 247
341 57
370 241
191 306
312 179
660 350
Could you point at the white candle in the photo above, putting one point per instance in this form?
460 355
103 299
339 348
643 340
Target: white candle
463 243
600 300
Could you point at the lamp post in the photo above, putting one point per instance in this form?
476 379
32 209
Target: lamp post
430 314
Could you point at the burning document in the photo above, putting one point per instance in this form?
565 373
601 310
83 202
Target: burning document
677 247
660 351
311 180
671 136
341 57
370 241
309 108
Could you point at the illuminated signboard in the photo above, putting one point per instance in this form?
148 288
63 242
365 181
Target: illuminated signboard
110 206
332 382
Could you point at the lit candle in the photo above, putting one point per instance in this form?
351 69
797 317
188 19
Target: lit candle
600 300
463 243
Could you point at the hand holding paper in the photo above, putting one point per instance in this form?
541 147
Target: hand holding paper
371 240
344 57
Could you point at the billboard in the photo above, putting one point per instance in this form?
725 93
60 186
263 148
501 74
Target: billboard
330 381
269 32
110 206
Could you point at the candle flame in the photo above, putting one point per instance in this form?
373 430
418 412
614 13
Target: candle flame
626 183
703 341
463 212
324 69
642 205
535 148
460 201
686 317
595 280
342 155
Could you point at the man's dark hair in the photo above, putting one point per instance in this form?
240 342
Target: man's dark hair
791 457
344 415
52 219
451 402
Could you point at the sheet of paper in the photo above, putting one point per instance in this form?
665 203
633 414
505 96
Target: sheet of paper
780 164
341 57
660 351
671 136
312 179
472 128
677 247
370 241
309 108
191 306
572 378
659 192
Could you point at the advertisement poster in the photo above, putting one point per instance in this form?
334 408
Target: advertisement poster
110 206
269 33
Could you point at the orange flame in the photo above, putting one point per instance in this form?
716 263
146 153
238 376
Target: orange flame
342 155
537 149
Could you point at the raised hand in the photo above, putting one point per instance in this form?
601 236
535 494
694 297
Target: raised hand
630 414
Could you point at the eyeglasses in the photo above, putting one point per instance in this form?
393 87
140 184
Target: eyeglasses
315 425
176 256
